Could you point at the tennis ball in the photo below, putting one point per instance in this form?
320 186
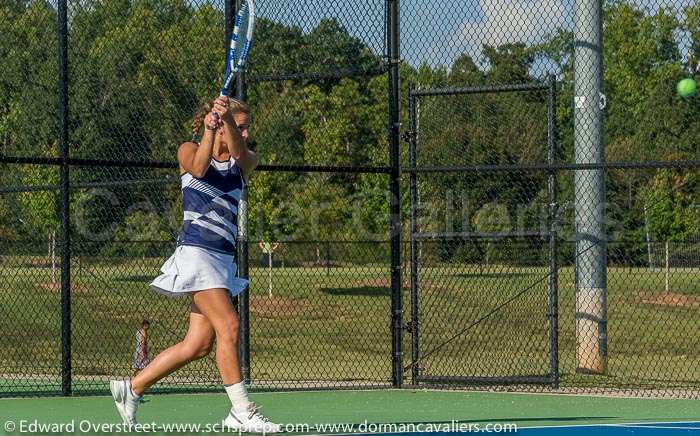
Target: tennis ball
687 88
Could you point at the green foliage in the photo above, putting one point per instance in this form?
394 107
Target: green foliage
143 234
344 126
492 218
28 98
7 230
510 63
140 68
329 44
332 125
672 198
39 209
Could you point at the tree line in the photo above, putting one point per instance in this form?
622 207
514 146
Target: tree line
140 68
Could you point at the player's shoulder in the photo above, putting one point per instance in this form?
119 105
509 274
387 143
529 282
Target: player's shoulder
185 153
187 145
186 148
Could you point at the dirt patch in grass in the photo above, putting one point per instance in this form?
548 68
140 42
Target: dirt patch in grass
668 299
75 288
286 308
276 307
43 262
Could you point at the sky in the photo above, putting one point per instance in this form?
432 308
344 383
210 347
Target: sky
437 35
435 32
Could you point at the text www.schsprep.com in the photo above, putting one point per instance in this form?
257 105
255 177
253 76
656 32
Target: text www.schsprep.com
87 426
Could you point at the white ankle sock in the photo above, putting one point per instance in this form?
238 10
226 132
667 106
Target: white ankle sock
133 394
238 395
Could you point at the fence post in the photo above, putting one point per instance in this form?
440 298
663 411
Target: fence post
395 188
553 248
413 228
243 272
66 360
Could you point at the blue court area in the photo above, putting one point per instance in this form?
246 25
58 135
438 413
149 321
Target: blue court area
645 428
635 428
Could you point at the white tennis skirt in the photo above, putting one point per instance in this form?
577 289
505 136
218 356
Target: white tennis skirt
192 269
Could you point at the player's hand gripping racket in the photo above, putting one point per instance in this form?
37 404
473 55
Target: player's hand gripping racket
241 40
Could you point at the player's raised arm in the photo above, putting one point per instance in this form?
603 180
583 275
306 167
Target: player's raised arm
236 123
193 158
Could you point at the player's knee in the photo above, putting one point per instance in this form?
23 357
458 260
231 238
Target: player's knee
197 350
202 351
227 329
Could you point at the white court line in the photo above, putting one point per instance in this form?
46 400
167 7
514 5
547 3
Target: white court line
658 427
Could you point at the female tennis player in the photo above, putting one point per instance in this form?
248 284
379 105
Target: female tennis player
213 173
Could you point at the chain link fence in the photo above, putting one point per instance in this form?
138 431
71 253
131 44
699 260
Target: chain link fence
542 271
536 229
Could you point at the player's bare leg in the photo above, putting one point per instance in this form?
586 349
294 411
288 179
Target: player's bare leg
215 305
196 344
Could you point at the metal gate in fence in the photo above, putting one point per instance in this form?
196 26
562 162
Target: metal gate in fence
482 235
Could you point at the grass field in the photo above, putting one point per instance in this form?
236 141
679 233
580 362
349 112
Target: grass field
332 324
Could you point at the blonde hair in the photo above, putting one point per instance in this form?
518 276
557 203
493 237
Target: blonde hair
236 107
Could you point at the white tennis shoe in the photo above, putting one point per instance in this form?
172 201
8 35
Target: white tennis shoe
250 421
125 400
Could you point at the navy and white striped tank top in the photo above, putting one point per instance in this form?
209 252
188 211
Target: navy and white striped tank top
211 207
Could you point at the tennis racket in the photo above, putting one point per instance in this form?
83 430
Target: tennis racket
241 40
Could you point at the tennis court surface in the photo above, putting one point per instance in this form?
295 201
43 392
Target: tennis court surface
380 412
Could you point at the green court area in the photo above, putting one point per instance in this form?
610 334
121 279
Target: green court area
313 323
358 407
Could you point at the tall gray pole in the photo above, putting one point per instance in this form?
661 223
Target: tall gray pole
591 245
